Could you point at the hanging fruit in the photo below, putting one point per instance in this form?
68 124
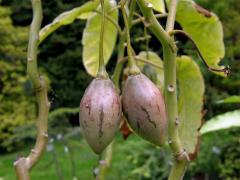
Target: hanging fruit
100 107
100 114
144 108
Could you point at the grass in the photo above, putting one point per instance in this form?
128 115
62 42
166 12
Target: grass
85 160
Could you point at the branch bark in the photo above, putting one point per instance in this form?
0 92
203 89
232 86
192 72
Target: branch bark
171 15
105 162
170 86
24 164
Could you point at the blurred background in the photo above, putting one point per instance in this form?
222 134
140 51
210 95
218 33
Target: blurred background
68 156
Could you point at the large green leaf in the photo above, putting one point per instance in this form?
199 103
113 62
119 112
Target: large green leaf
62 111
84 16
229 100
191 91
153 58
67 18
158 5
91 36
205 29
221 122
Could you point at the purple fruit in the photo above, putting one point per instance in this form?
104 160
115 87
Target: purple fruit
144 108
100 113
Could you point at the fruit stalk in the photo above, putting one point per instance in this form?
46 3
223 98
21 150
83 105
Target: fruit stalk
170 88
107 155
101 68
121 47
132 64
119 66
24 164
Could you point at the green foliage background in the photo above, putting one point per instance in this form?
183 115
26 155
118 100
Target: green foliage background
17 105
60 55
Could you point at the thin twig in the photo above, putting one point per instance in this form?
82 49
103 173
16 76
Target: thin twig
111 20
148 62
142 19
171 15
138 39
113 9
140 59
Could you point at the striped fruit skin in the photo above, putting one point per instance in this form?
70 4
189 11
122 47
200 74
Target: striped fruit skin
144 108
100 113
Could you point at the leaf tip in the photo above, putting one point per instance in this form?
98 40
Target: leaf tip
203 11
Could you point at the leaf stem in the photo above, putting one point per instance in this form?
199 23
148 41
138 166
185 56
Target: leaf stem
225 70
101 68
24 164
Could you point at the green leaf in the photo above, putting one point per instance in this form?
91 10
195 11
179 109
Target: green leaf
151 70
85 16
231 99
91 37
62 111
221 122
190 102
158 5
66 18
205 29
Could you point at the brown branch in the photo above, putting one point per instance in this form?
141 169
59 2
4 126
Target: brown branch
24 164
